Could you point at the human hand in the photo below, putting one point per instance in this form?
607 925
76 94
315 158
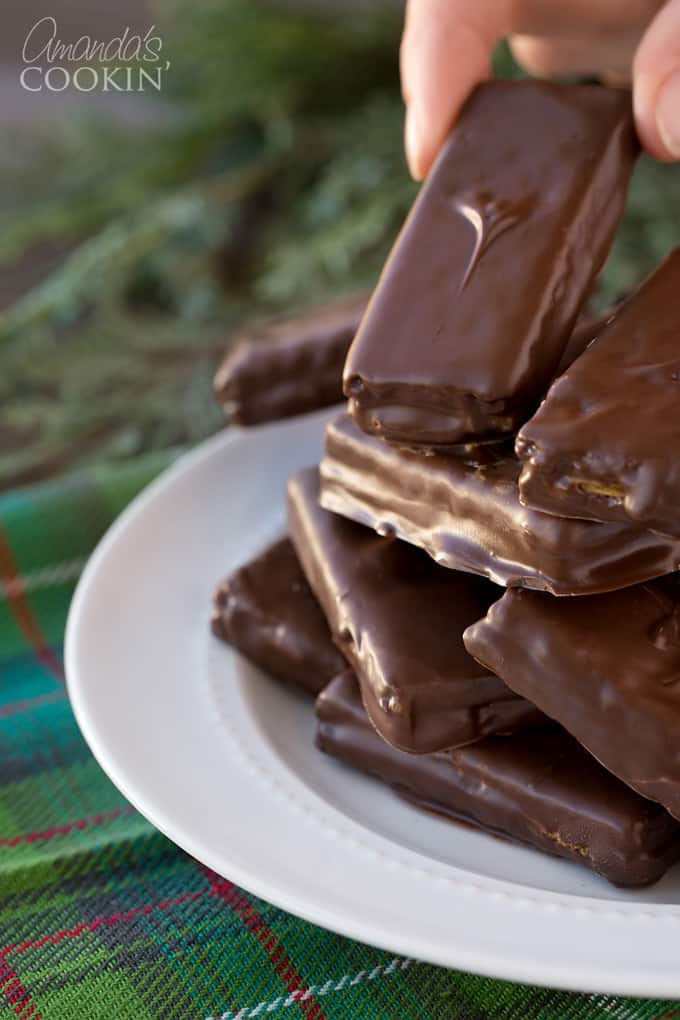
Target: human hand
447 45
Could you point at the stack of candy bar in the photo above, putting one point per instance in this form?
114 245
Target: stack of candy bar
478 581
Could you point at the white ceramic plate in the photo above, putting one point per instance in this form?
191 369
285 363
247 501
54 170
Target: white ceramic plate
221 759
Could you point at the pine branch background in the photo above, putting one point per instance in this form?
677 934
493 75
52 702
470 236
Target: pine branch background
271 177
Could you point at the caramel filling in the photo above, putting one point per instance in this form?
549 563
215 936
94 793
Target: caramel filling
594 488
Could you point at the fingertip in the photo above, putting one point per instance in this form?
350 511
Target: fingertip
657 115
413 145
421 147
445 52
534 54
667 115
656 85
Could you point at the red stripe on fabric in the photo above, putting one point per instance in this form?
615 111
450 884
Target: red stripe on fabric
26 704
273 946
99 922
63 830
16 994
23 614
219 887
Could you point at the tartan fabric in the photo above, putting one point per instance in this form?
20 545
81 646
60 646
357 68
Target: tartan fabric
100 915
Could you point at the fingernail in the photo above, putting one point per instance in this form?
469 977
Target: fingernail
412 142
668 114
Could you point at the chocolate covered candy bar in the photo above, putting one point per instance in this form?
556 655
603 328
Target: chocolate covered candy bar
290 366
399 619
465 512
267 611
587 329
605 444
540 788
607 668
483 286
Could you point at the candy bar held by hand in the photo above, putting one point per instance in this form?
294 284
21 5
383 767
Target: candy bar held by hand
484 284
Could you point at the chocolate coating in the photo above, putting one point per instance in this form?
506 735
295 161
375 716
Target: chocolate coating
537 788
587 329
605 444
267 611
607 668
289 366
483 286
467 515
399 620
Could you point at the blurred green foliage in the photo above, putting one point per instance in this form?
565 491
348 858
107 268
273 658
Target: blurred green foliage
269 175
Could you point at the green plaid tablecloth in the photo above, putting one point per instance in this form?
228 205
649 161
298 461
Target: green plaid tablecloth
100 915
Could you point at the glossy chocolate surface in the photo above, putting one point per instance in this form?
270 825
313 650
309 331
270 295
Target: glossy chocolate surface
483 286
465 512
399 619
539 788
290 366
607 668
605 444
586 330
267 611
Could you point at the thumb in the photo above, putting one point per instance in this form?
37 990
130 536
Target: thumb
656 84
445 51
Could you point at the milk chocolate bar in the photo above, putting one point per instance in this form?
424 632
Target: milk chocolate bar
267 611
466 513
483 286
539 788
605 444
289 366
606 667
399 619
